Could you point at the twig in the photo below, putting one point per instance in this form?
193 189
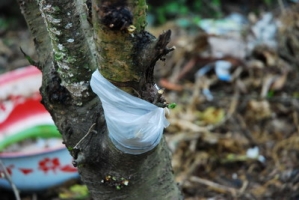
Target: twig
280 2
268 81
286 98
286 144
296 121
187 125
89 130
233 105
241 123
196 179
8 178
243 188
185 176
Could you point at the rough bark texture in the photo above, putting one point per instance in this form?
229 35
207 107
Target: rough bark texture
126 57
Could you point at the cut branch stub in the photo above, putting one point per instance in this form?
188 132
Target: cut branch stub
149 50
159 51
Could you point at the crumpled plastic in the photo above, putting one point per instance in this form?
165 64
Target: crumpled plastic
222 70
135 126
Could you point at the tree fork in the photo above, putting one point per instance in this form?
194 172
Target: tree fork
124 57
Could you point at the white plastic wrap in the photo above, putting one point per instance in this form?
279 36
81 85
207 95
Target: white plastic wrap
135 126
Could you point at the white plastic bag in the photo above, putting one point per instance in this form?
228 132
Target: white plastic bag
135 126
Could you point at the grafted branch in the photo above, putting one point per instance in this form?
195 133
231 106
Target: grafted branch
128 57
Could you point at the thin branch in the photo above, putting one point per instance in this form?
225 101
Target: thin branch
89 130
41 39
195 179
282 8
8 178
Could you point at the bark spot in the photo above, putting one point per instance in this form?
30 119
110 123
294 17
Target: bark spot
116 16
57 93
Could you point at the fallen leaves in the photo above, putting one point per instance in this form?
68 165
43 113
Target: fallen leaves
243 129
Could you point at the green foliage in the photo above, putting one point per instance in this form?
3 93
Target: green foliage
268 2
4 24
216 2
270 93
296 95
168 9
172 9
10 22
75 192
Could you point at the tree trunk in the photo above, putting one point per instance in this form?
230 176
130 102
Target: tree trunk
125 55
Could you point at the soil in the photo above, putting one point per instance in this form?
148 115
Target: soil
241 140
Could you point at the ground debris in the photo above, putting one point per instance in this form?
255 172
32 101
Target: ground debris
243 143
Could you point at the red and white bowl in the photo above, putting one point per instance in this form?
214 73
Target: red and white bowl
22 116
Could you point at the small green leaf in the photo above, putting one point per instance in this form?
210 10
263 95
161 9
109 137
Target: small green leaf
30 60
171 105
70 148
270 94
118 187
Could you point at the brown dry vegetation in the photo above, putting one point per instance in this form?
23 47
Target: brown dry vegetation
259 108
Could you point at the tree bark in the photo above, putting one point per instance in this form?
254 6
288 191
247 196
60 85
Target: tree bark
68 55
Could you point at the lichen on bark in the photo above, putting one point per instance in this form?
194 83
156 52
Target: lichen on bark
70 48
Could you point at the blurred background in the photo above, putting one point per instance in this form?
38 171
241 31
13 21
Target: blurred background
234 133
